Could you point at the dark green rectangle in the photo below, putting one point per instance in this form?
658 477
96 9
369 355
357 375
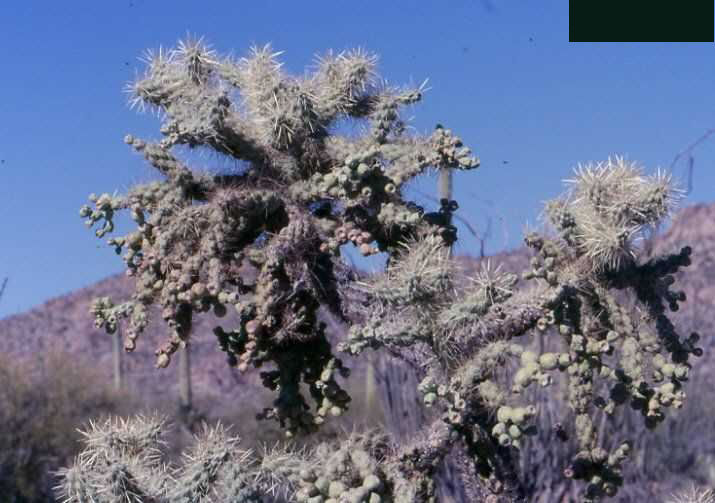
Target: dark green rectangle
641 21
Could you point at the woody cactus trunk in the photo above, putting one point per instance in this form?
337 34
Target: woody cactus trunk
303 191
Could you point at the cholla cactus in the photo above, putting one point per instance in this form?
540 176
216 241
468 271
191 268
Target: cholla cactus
472 332
305 192
122 462
608 209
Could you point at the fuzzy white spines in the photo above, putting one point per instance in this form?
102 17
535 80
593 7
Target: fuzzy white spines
610 205
693 495
421 273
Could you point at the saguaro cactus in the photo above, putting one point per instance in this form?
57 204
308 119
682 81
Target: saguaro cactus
117 359
3 285
185 395
302 191
445 190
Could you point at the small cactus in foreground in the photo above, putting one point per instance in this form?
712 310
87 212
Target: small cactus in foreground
122 461
305 192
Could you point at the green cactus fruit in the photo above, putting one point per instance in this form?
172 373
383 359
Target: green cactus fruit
548 361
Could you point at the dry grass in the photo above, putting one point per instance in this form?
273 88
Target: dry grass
42 402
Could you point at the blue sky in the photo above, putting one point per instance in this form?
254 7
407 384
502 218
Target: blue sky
502 76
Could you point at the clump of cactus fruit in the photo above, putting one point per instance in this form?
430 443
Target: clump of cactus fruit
306 191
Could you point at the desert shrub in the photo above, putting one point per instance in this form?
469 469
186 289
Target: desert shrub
42 402
303 191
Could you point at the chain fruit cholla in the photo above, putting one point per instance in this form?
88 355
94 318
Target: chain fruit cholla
303 191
